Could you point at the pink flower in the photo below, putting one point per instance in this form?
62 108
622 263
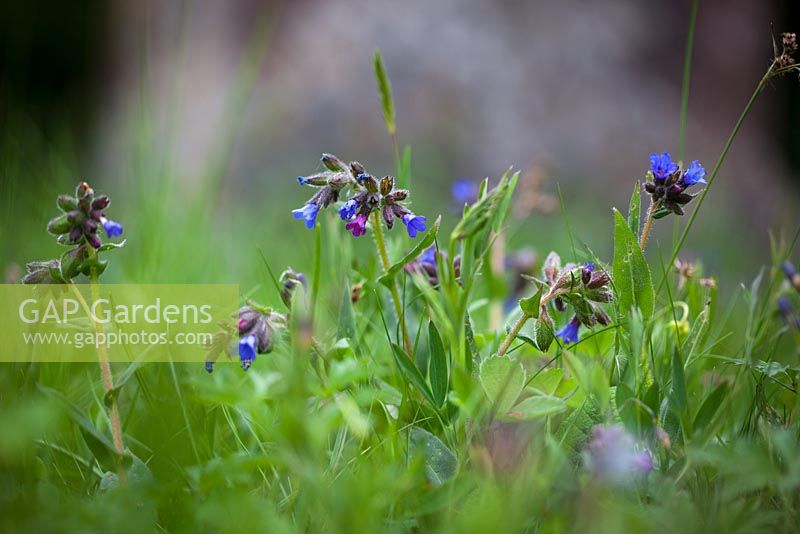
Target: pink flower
358 225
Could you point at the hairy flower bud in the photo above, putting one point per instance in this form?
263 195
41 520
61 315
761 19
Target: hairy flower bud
333 163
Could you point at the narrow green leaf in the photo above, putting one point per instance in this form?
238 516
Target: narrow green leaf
385 90
634 208
100 445
632 279
678 395
347 321
709 407
404 170
502 380
437 366
421 245
537 407
411 372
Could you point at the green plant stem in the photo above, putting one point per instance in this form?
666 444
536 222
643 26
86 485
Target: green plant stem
105 372
524 319
648 225
687 74
513 333
377 231
715 171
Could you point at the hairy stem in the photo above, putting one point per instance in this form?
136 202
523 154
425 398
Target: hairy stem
524 319
648 225
105 372
377 231
715 171
513 333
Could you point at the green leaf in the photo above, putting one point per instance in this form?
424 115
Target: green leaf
678 395
385 90
404 169
632 279
709 407
102 448
437 366
421 245
440 462
110 246
347 322
411 372
536 407
502 380
634 208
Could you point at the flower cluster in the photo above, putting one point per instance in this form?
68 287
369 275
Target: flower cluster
613 455
255 332
667 184
789 47
580 288
367 195
76 227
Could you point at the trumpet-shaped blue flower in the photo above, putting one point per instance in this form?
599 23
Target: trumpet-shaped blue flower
112 228
662 165
247 351
348 209
569 333
308 213
414 224
695 174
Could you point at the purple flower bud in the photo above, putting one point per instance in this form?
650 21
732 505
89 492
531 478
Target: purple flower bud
569 333
308 213
414 224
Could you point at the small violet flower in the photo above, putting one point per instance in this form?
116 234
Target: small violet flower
569 333
662 165
414 224
308 213
348 209
614 456
358 226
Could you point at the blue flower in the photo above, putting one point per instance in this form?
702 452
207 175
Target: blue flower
464 191
662 165
247 351
414 224
209 367
308 213
302 180
569 334
429 256
695 174
112 228
348 209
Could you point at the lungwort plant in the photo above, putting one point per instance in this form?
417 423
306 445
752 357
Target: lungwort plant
619 395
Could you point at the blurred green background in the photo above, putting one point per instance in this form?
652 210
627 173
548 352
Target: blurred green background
196 117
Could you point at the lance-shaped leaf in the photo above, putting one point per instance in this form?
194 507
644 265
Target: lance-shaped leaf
632 279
